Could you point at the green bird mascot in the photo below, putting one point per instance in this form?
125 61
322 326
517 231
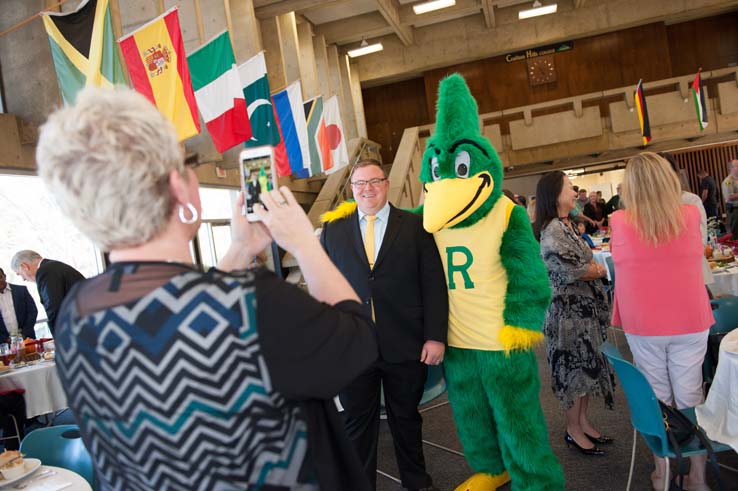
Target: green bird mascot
498 295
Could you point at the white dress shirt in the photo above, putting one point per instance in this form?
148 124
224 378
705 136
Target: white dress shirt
7 310
380 226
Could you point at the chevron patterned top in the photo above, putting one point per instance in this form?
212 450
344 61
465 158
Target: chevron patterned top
172 390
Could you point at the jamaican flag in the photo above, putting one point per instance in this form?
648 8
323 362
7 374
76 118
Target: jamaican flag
83 48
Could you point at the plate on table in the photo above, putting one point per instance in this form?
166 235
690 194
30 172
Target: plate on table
31 466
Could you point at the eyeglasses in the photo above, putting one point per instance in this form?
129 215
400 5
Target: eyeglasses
371 182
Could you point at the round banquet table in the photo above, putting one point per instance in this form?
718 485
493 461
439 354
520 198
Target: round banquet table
58 480
718 416
44 393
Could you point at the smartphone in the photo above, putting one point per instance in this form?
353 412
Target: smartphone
255 169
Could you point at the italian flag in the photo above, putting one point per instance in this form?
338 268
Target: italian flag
699 101
218 92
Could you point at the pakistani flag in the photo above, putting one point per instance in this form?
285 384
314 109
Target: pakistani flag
83 48
255 86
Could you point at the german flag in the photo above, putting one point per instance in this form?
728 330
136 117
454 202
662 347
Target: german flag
155 56
640 104
83 48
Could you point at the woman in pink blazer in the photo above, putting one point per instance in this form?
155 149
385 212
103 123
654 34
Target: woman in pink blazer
660 298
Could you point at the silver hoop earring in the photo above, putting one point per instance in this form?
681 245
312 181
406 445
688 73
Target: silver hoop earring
192 211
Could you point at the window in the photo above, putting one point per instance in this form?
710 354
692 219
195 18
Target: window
31 220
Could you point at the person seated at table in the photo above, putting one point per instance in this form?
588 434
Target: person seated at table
183 379
582 228
660 300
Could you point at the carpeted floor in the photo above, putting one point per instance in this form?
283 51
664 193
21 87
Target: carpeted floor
582 473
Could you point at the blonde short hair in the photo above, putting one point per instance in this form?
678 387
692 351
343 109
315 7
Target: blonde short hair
106 161
652 195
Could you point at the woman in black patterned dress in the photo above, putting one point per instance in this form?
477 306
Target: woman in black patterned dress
576 323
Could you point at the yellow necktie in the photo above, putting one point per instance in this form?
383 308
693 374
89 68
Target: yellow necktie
369 239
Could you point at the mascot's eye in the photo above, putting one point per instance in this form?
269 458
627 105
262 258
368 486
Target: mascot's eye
434 169
463 162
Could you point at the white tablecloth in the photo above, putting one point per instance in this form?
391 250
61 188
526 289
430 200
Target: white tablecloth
44 392
718 416
601 258
62 480
725 282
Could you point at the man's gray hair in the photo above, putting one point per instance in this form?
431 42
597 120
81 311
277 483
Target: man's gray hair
106 161
26 256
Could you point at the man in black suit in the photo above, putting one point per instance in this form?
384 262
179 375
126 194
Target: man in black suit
17 311
53 279
394 266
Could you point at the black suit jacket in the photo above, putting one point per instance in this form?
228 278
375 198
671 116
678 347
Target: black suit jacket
25 313
54 279
407 284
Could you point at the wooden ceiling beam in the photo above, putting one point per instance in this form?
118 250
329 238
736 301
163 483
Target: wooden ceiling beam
488 8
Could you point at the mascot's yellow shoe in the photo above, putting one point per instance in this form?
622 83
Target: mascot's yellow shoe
484 482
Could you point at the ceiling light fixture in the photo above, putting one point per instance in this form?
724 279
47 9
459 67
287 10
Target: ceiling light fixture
425 7
538 9
365 49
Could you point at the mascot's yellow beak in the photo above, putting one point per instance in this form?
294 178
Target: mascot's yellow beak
451 201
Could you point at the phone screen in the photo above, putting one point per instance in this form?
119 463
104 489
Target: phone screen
256 170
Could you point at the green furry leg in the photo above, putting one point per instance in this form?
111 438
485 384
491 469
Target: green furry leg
475 423
508 385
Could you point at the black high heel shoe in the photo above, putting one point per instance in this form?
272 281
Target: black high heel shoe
586 451
602 439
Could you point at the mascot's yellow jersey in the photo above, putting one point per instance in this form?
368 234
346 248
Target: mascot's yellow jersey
476 279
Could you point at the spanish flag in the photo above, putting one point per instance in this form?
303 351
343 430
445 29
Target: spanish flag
640 104
83 48
156 61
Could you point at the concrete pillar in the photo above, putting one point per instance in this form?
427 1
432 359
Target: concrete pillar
321 64
244 28
308 66
357 99
349 113
273 53
334 71
290 46
29 79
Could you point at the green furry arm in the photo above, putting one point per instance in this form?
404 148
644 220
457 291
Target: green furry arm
418 210
528 292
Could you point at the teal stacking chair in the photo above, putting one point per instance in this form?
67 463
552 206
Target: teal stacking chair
60 446
725 311
645 414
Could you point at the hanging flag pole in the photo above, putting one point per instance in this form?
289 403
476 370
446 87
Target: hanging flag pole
31 18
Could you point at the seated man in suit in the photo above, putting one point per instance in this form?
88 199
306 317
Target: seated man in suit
17 311
394 266
53 279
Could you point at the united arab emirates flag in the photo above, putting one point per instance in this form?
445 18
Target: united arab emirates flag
218 92
83 48
255 86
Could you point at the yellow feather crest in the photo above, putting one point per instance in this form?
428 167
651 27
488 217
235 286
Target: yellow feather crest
341 211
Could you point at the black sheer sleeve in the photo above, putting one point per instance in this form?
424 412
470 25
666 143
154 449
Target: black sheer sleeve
312 350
